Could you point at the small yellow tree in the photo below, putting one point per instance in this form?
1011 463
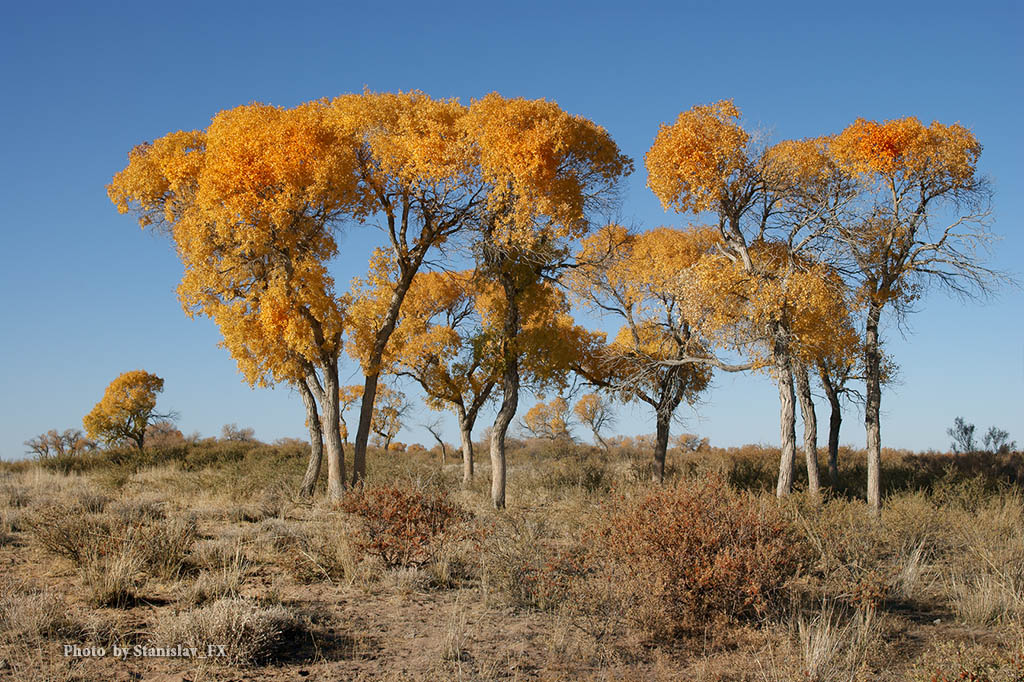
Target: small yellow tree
549 420
127 408
594 410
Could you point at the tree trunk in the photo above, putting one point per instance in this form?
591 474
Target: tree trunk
660 447
363 429
466 434
509 405
332 435
316 442
803 388
787 418
510 394
872 407
835 421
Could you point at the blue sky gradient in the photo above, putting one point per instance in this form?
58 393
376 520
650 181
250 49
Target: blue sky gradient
86 295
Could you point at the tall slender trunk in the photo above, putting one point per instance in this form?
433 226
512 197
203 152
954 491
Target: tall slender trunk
660 446
787 416
370 386
803 391
872 407
835 421
510 396
332 434
363 428
316 441
466 434
509 405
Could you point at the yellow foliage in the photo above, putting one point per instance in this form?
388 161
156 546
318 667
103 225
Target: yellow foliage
126 408
699 158
540 164
549 420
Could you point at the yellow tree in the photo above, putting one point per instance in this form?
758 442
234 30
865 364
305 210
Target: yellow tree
656 357
438 341
594 411
127 408
252 203
549 420
921 218
390 408
546 172
418 171
706 162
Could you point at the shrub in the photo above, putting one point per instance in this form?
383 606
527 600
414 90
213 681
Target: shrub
27 615
160 547
404 527
249 632
523 563
684 556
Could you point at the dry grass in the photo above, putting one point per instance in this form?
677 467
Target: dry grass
208 545
249 632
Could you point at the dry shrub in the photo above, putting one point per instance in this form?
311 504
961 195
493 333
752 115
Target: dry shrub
164 546
687 555
250 632
404 527
227 567
95 541
959 662
319 551
527 566
13 496
112 579
834 645
27 615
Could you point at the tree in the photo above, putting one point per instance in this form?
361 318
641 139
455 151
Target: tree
389 409
234 432
775 200
998 441
545 172
418 169
635 277
438 341
549 420
434 429
128 407
251 204
909 177
962 434
59 446
594 410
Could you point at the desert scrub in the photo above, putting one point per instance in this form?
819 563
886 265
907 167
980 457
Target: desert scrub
693 553
28 615
160 548
250 632
526 565
403 526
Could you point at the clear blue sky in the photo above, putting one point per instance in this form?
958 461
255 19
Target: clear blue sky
85 294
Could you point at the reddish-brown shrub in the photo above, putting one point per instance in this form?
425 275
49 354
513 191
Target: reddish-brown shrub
404 527
685 555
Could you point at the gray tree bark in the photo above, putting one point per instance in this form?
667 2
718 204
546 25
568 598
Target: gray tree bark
510 395
316 442
872 407
835 422
663 424
787 417
331 425
803 390
466 436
